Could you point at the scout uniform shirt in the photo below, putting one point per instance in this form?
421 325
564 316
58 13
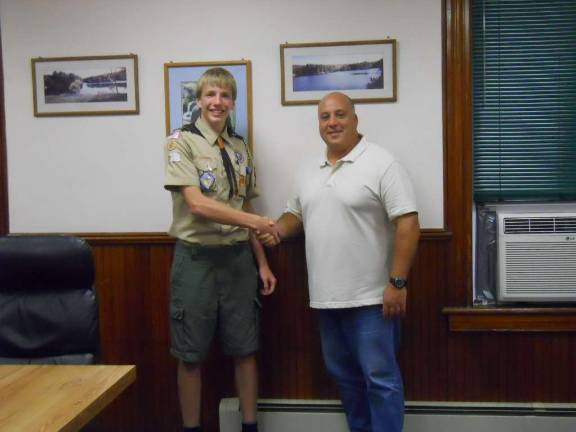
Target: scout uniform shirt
194 159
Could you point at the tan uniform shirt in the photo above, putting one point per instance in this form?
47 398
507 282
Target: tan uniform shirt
195 160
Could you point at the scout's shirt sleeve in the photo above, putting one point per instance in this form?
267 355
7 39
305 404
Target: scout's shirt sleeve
179 166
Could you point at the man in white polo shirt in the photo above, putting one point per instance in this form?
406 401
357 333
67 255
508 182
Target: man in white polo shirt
357 209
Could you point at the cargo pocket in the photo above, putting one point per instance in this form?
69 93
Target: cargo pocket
178 332
257 309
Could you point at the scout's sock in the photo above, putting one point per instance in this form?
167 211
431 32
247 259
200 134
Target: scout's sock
192 429
249 427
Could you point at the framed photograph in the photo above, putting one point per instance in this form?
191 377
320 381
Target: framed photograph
364 70
180 81
97 85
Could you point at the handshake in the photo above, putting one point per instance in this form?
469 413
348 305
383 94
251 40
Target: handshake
267 231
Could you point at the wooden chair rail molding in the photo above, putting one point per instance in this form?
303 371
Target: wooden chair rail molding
164 238
506 319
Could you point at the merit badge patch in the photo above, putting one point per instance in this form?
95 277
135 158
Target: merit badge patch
174 156
207 180
239 157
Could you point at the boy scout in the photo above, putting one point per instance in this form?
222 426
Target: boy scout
211 177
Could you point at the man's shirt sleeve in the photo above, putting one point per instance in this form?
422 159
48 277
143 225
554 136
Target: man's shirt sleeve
396 191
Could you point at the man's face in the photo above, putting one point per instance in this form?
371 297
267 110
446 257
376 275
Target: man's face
338 124
216 104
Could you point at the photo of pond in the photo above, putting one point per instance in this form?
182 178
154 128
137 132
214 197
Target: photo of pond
92 86
336 73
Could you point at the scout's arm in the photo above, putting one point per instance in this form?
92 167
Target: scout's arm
405 246
266 275
201 205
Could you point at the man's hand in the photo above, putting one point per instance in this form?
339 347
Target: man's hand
268 240
394 305
268 233
268 280
267 228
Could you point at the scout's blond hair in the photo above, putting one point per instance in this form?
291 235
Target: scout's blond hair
219 77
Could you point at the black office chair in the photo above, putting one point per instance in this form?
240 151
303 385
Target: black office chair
48 305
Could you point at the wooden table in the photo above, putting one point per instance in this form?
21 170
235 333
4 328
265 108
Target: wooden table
47 398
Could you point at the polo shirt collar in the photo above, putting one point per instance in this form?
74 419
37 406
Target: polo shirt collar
350 157
209 133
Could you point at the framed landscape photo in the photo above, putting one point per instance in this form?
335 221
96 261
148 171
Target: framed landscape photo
180 80
363 70
93 85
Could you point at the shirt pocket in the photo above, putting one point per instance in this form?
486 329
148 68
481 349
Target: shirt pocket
240 164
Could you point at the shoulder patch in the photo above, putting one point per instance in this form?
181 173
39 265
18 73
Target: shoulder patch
175 134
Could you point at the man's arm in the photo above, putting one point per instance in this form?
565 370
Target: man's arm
266 275
405 246
209 208
288 225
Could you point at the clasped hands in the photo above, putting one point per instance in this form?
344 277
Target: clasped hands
267 232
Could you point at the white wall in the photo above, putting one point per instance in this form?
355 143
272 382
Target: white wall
105 173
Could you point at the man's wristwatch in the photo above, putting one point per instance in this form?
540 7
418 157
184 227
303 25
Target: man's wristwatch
398 282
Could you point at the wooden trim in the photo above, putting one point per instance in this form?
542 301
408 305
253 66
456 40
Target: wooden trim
481 319
435 234
4 225
163 238
125 238
457 83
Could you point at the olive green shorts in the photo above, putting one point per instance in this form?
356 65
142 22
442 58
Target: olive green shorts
213 288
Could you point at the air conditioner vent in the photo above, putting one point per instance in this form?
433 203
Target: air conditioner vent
537 256
539 225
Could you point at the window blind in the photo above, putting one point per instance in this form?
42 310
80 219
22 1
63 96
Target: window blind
524 75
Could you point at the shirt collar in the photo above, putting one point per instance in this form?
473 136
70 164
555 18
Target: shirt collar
351 156
209 133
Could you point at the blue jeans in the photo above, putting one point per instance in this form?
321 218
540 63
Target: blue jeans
359 347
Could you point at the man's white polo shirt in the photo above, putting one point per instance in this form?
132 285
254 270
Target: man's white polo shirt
347 210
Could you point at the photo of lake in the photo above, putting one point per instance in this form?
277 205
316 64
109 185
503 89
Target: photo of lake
337 72
90 86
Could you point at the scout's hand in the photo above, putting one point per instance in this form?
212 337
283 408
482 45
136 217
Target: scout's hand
268 240
267 226
394 304
268 280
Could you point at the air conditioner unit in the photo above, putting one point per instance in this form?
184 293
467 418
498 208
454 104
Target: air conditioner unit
536 256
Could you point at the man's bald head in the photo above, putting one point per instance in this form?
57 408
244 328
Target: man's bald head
340 96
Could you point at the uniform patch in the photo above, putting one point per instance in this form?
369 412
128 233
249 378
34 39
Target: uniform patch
171 145
175 156
239 157
175 135
207 180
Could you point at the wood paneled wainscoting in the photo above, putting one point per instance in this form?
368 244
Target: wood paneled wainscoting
132 281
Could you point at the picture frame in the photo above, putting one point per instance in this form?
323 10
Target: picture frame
85 86
180 98
363 70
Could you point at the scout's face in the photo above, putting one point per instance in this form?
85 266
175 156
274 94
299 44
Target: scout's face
216 104
337 122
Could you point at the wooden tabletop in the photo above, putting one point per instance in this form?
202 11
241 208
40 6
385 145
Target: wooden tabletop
51 398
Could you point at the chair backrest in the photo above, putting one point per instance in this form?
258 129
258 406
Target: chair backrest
48 305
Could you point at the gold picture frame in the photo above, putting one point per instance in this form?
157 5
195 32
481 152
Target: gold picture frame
364 70
180 98
85 86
